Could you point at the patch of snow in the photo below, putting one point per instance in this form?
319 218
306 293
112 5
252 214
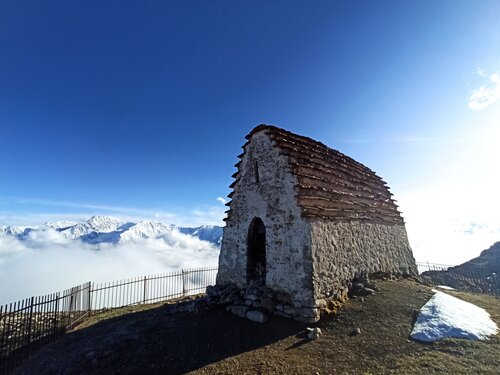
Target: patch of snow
445 287
445 316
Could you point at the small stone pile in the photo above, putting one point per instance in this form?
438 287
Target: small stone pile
361 286
189 305
256 302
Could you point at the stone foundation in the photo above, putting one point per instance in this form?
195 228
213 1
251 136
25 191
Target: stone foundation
254 299
256 302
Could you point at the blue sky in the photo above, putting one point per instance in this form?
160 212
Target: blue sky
139 109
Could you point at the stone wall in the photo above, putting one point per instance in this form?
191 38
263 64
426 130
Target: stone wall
343 250
272 198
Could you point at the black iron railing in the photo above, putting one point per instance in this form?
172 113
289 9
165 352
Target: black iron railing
29 323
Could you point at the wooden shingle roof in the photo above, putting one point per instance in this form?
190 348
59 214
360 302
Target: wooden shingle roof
330 185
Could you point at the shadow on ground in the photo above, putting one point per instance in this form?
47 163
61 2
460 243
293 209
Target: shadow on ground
154 342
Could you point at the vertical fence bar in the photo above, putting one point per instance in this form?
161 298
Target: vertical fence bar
108 294
89 298
183 284
56 314
122 293
8 334
2 322
30 321
41 316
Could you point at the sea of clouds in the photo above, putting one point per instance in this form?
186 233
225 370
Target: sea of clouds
47 262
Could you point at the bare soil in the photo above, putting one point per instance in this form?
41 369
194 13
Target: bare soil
149 341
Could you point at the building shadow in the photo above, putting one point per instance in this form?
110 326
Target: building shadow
154 342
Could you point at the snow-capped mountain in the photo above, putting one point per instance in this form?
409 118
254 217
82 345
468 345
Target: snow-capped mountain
63 224
210 233
100 229
19 231
146 229
96 224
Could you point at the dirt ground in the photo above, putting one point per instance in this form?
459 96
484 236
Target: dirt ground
216 342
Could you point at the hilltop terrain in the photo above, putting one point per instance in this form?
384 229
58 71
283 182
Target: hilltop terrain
480 274
486 264
129 341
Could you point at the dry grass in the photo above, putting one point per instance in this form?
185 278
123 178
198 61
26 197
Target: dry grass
138 340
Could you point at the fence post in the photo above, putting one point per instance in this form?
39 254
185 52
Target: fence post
30 319
184 289
90 298
145 289
56 313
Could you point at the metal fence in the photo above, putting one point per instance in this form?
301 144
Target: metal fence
30 323
464 277
151 289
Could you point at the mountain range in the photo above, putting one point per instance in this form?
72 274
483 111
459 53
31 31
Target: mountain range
108 229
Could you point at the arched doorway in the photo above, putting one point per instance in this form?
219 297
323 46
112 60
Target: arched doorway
256 252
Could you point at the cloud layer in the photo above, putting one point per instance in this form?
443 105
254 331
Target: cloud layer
485 96
47 262
445 228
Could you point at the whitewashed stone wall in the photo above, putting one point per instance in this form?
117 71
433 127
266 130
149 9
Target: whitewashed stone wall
341 250
273 200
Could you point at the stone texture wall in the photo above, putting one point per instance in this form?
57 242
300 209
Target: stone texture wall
273 200
342 250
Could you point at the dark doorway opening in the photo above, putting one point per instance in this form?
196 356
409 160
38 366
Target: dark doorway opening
256 254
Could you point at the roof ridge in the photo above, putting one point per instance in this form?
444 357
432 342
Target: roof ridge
329 183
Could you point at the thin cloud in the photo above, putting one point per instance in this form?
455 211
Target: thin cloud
209 215
481 72
95 207
222 200
485 96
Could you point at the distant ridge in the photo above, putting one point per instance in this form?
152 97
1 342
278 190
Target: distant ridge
487 263
109 229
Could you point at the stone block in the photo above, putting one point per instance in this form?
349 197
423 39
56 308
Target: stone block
313 333
321 303
256 316
289 310
267 304
256 305
308 312
252 297
304 319
238 310
345 294
283 314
